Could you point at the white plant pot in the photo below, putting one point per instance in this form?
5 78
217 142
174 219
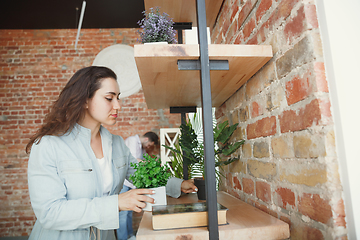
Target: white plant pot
159 196
156 43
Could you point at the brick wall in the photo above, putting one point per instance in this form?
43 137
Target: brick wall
288 166
34 66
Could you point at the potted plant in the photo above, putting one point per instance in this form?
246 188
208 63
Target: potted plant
156 27
192 151
150 174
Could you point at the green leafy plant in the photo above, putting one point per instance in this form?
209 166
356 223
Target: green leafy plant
149 173
177 162
192 148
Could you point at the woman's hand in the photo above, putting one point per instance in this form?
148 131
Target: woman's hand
134 200
187 186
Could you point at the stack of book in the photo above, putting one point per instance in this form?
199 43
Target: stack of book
184 215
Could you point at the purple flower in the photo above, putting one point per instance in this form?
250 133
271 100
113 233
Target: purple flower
156 27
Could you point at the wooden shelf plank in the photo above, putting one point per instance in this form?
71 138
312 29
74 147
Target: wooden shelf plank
244 222
185 10
165 86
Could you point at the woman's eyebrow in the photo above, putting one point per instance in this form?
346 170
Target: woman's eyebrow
114 94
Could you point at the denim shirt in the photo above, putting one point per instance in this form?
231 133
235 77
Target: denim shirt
66 190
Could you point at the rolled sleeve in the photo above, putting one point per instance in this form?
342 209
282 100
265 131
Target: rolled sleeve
173 187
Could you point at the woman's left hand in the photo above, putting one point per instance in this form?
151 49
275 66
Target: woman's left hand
187 186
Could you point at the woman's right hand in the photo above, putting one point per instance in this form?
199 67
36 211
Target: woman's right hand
134 200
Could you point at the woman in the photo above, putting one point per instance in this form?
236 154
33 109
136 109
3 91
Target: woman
77 167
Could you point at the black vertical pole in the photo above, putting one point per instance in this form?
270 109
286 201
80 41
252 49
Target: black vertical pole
210 178
183 114
185 166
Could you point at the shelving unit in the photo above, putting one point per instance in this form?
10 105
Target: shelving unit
164 85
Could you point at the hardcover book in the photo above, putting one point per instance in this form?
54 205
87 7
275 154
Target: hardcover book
184 215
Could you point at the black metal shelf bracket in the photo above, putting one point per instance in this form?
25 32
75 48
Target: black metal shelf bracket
189 109
195 64
179 26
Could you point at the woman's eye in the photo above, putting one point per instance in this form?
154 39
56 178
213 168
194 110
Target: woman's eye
109 99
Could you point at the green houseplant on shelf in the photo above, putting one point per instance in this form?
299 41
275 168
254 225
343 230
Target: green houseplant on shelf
150 174
191 150
157 27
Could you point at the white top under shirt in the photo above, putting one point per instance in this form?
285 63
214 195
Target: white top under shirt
105 168
135 146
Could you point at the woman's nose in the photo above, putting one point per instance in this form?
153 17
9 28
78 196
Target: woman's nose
117 105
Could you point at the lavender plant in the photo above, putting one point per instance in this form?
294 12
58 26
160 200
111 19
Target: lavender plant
157 27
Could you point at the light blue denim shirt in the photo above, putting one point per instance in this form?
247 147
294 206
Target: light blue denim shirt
66 189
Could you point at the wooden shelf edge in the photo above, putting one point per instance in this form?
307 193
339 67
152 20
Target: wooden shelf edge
192 50
165 86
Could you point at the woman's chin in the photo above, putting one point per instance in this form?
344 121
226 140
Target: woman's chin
110 123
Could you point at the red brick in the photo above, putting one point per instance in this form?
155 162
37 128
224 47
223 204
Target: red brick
225 27
234 9
263 7
339 212
259 34
311 16
262 207
298 88
237 184
321 82
246 9
255 109
290 120
249 27
296 26
325 107
284 9
315 207
248 185
262 128
285 197
263 191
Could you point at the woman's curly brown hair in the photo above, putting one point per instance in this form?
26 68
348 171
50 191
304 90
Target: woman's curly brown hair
68 109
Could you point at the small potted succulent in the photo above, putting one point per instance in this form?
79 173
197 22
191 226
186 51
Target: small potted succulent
156 27
150 174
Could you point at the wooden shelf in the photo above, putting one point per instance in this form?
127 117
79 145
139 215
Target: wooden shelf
165 86
185 10
244 222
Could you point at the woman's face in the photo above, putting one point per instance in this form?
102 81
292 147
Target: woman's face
103 107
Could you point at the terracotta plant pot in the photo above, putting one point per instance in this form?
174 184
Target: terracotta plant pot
159 196
200 184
